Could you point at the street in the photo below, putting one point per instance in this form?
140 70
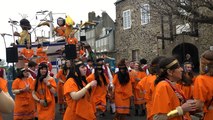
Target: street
108 116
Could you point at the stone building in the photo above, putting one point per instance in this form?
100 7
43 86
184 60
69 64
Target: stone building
143 33
101 36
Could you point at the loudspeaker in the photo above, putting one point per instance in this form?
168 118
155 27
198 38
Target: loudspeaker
82 38
12 54
70 51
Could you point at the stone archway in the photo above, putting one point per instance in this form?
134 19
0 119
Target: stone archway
182 49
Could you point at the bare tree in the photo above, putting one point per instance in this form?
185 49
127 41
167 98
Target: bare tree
196 11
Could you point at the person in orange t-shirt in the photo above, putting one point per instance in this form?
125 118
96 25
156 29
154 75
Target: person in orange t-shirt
24 103
203 86
146 85
168 101
41 54
99 92
43 93
77 94
7 103
186 84
123 92
62 77
139 100
27 53
71 39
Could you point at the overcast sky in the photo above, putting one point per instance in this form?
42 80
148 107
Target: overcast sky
77 9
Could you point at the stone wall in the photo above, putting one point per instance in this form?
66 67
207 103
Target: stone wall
144 37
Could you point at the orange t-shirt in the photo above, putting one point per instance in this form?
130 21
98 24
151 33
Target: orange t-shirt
165 100
46 112
42 56
60 31
72 40
138 94
123 94
60 87
187 90
77 109
24 102
28 53
203 91
98 96
3 84
147 86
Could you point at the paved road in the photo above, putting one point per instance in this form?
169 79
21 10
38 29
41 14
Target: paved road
108 116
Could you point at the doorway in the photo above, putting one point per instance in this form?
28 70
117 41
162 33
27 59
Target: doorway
182 49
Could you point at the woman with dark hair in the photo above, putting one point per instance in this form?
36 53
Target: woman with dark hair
123 92
99 92
62 76
146 85
7 103
27 53
24 103
77 93
168 101
203 86
45 88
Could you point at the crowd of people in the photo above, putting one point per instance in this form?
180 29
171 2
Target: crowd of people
163 90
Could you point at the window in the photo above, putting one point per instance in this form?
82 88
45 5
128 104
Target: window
145 14
126 19
135 55
181 10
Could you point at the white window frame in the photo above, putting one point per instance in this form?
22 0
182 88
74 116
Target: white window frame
145 14
127 19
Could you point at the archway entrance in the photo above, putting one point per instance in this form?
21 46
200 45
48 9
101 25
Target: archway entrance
187 48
